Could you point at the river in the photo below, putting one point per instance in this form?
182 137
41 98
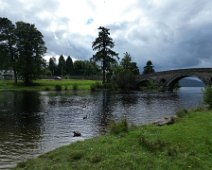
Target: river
32 123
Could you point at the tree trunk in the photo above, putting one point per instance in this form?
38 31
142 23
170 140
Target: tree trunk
15 76
103 77
103 70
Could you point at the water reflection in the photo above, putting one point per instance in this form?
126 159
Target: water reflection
34 123
20 126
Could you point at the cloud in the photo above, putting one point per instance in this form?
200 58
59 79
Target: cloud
173 34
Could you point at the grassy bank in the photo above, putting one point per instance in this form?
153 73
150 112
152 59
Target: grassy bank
186 144
40 85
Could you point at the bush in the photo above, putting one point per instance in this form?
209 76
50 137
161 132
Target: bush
75 87
126 80
119 127
93 87
58 87
96 86
207 96
66 88
47 89
182 113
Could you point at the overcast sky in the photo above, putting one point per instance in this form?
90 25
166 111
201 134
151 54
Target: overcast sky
172 33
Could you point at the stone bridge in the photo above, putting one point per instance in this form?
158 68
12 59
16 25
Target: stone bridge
168 79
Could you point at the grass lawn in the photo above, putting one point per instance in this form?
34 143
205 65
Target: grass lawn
186 144
40 85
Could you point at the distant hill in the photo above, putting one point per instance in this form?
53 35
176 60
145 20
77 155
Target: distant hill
191 83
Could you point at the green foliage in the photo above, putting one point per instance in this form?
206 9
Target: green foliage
52 65
119 127
30 48
96 86
128 65
103 44
149 68
149 86
40 85
75 87
69 66
58 87
125 80
182 113
61 66
8 48
47 89
207 95
125 74
86 68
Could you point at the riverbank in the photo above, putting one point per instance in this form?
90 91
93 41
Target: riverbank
186 144
48 85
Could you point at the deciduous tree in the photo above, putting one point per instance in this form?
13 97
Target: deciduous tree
128 65
30 50
8 48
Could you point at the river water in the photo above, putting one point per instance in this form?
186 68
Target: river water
32 123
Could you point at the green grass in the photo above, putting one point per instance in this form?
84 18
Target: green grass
40 85
187 144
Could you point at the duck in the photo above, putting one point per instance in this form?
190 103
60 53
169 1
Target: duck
76 134
85 117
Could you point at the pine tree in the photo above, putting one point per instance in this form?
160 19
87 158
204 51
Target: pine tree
103 44
149 68
52 65
69 66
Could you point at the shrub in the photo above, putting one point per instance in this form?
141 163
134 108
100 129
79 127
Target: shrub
182 113
47 89
93 87
98 85
75 87
126 80
58 87
207 96
119 127
66 88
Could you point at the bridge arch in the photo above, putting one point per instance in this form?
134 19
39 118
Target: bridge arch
171 84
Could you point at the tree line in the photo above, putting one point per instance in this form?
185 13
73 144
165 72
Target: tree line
22 49
66 67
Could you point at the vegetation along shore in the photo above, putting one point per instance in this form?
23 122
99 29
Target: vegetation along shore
185 144
48 85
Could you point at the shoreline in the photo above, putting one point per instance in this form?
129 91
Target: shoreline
156 145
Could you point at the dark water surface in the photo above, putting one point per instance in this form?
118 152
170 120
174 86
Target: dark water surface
32 123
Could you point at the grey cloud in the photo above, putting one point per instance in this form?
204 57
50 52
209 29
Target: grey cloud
179 34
